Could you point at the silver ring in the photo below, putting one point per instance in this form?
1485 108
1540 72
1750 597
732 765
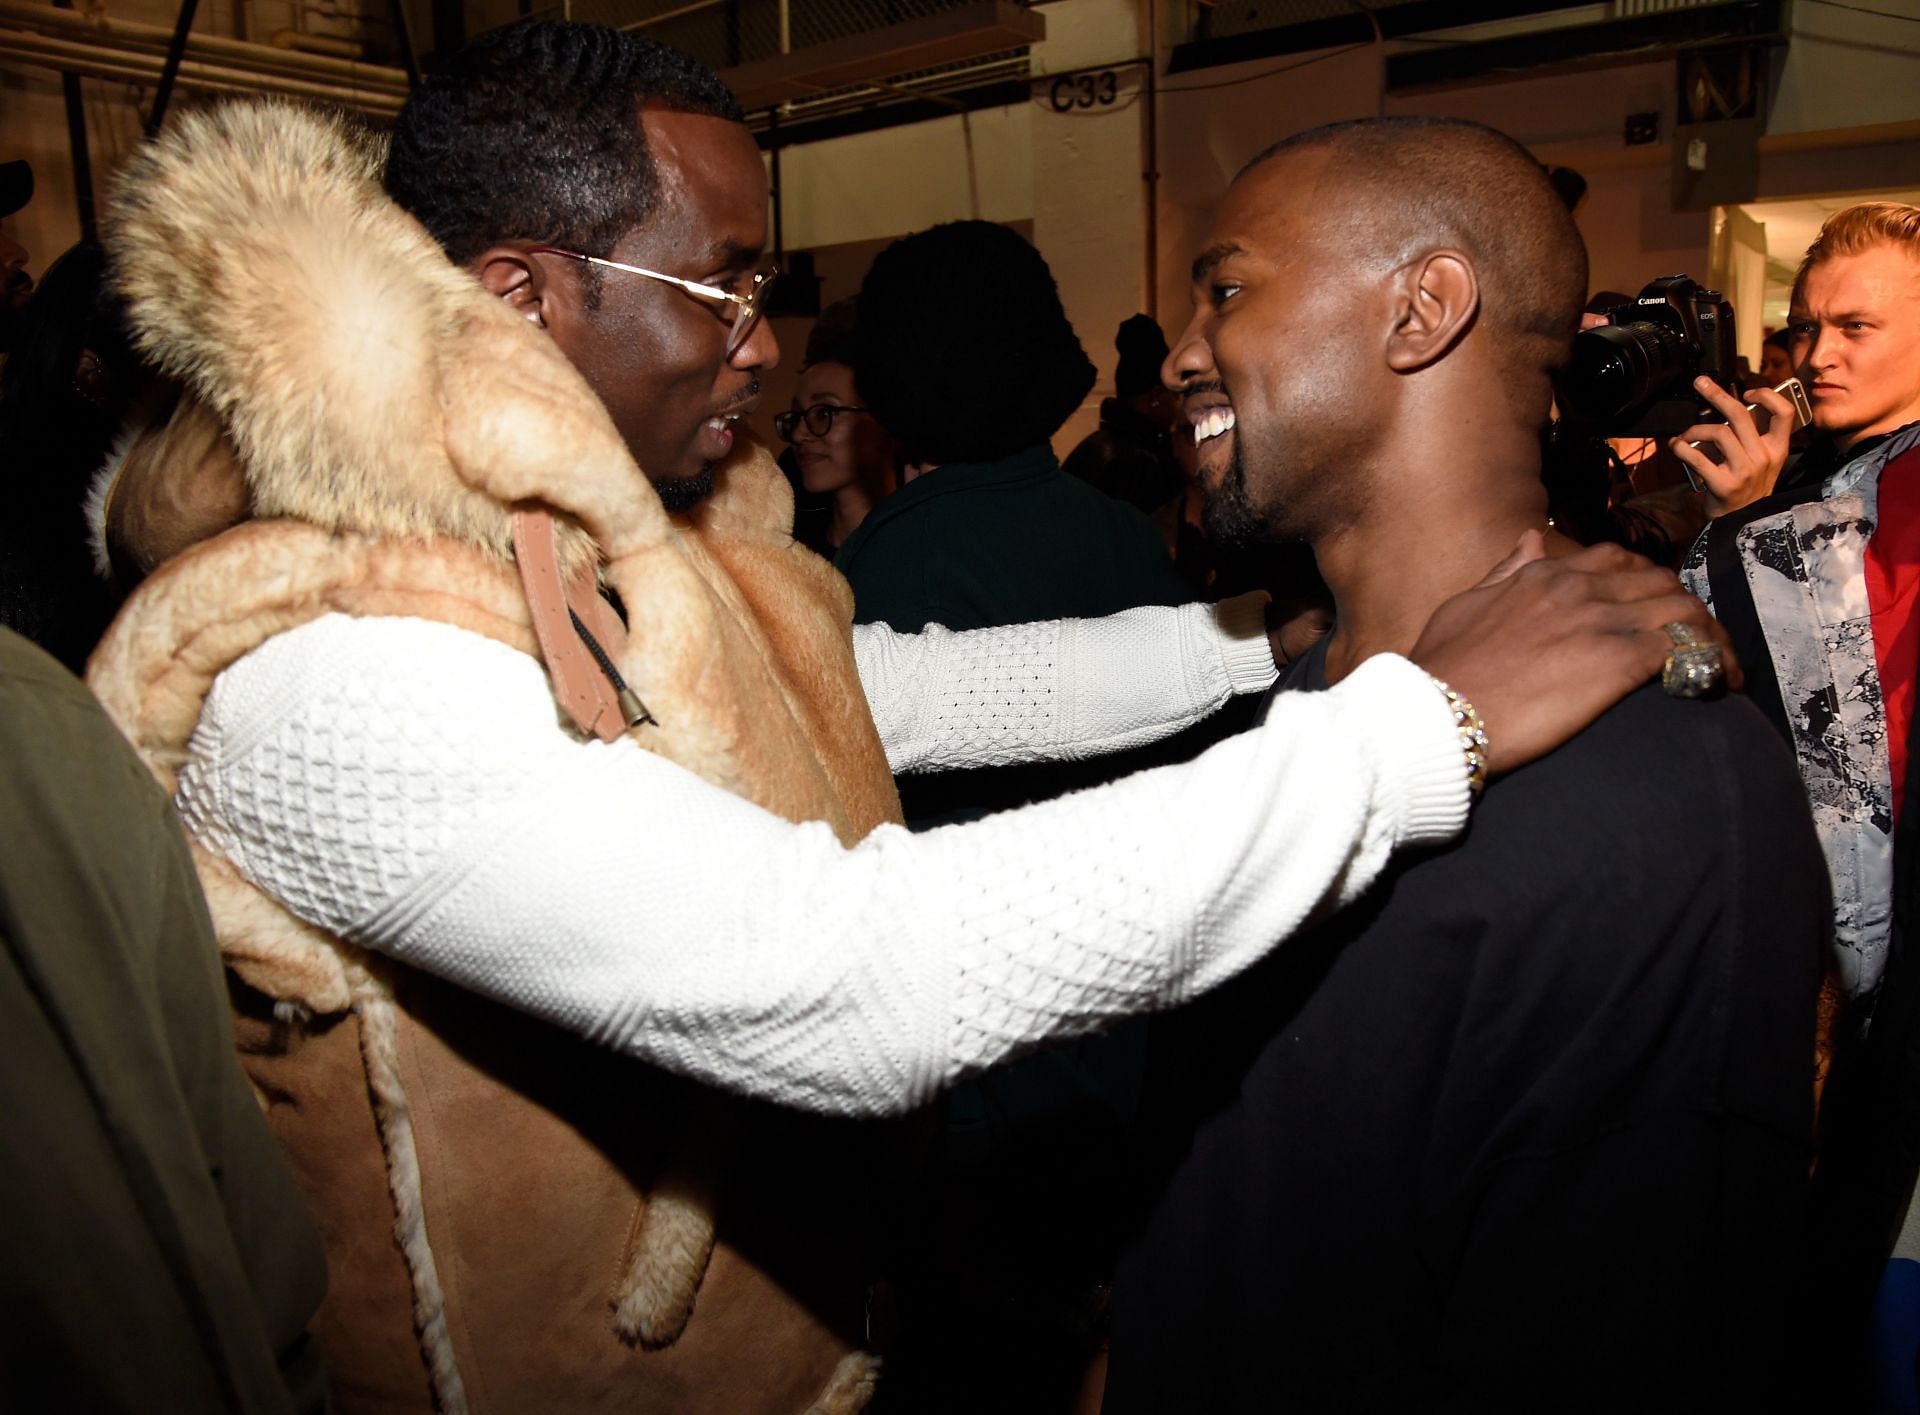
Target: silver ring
1694 668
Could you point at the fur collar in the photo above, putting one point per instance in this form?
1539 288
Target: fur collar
367 383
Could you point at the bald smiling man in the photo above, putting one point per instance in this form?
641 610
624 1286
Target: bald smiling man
1529 1127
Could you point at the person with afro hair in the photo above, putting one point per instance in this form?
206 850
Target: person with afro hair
963 353
965 356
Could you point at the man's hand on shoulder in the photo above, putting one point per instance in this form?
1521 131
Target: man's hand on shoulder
1294 626
1543 646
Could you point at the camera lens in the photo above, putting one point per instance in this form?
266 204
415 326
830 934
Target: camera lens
1618 366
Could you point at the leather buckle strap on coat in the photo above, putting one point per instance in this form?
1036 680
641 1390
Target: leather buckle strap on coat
579 682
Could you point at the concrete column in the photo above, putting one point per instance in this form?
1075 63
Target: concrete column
1089 208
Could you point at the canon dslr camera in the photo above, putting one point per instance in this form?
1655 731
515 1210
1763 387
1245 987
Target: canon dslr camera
1633 376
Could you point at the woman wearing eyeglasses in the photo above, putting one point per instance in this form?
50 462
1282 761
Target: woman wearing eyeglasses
843 451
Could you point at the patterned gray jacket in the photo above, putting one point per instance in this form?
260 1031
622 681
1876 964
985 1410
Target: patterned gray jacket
1804 566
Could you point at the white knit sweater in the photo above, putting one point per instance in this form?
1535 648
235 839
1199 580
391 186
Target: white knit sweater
409 786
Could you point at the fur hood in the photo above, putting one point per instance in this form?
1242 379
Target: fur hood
388 414
368 384
393 423
374 392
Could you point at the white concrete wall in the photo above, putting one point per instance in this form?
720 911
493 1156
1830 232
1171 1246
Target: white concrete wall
1843 70
1089 33
1847 68
1632 235
1075 176
1089 221
880 185
1090 207
1212 122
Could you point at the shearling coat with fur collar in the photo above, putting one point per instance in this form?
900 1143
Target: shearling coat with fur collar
515 1221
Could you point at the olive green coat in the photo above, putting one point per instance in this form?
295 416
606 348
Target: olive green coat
154 1254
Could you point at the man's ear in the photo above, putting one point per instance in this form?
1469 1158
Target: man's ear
517 278
1436 299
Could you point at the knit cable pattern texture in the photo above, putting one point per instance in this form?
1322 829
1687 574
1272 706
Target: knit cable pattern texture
409 786
1058 690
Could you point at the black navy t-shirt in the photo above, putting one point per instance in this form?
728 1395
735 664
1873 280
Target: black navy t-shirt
1527 1128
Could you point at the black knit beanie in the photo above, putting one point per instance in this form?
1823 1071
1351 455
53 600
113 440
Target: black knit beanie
963 351
1143 348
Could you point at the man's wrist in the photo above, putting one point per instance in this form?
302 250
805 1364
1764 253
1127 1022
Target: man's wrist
1240 634
1410 732
1472 733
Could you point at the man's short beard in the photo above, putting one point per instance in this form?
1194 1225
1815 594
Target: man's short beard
1227 513
685 493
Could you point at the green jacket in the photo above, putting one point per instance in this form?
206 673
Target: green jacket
981 544
154 1252
1018 1222
977 545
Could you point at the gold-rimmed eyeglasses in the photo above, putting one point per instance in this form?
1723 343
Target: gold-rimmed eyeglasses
747 308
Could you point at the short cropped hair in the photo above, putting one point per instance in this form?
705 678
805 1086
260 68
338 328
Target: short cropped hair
532 132
1423 182
1854 229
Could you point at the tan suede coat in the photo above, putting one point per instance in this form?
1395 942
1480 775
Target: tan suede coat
515 1221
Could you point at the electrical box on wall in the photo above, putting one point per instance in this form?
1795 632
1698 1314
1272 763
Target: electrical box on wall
1716 137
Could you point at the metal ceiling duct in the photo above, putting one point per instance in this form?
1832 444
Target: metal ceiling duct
127 51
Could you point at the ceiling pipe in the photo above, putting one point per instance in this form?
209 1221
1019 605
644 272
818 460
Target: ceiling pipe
108 69
349 49
150 65
868 94
95 62
134 37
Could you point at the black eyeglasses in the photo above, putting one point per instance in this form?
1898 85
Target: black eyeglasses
817 416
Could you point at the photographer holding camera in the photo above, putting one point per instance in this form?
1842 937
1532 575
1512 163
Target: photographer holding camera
1819 585
1630 371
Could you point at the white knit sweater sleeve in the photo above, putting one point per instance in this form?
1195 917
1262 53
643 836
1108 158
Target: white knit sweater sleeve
1061 689
408 785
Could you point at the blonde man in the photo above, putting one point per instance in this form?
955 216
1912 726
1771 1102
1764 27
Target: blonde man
1819 584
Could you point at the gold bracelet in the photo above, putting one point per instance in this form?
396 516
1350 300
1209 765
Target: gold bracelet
1472 733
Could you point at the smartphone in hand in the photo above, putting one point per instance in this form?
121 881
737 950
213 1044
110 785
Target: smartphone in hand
1793 390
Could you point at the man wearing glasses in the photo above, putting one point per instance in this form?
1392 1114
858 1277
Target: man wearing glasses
456 809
